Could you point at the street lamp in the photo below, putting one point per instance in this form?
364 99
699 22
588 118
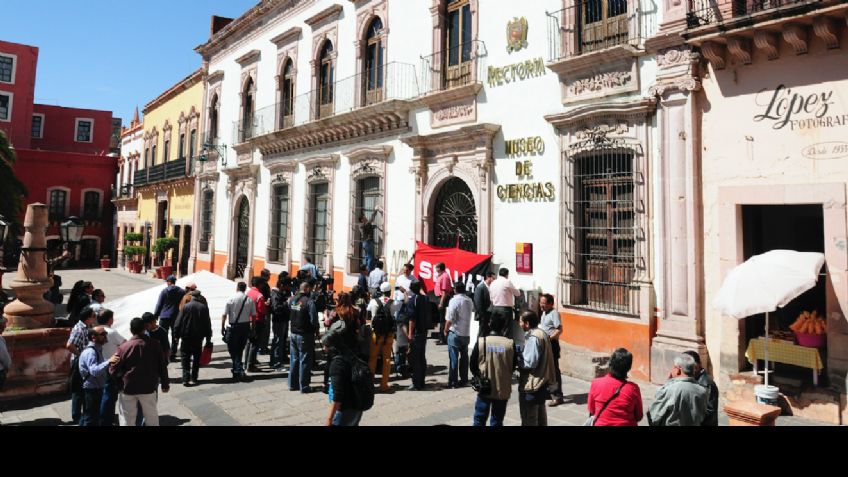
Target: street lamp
209 147
71 230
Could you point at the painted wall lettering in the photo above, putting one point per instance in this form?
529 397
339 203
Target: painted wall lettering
785 107
518 71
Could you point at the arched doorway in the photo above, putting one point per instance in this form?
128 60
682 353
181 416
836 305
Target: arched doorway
242 237
455 216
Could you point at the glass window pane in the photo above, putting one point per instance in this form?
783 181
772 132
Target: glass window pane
6 65
453 38
4 106
466 33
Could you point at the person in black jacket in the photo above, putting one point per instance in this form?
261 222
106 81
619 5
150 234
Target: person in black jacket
192 325
711 419
304 325
483 304
343 411
280 311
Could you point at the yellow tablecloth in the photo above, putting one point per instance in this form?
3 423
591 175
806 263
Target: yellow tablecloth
783 352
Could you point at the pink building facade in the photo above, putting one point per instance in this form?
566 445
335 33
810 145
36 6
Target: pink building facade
774 110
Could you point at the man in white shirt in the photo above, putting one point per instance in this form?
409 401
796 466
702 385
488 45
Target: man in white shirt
458 333
105 318
503 293
237 313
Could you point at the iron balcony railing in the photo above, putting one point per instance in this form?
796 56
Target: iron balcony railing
588 26
453 67
708 12
391 81
161 172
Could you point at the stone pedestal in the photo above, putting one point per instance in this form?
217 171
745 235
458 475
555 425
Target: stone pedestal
30 310
40 363
751 414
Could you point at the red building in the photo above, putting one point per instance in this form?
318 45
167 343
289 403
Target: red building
66 156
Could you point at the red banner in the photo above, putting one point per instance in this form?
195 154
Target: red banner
462 266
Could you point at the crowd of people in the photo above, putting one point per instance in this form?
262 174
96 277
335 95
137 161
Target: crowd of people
374 328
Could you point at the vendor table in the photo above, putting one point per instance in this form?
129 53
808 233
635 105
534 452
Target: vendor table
787 353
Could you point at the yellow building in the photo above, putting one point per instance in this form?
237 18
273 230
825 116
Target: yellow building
163 182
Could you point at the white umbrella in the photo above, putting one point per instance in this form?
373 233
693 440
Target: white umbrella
767 282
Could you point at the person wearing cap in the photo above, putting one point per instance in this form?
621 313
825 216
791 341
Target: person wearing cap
458 335
191 327
381 345
76 343
342 399
5 358
167 308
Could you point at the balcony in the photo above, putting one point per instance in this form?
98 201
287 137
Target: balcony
596 31
453 68
167 171
364 105
725 28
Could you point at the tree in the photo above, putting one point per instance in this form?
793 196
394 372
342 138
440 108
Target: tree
12 190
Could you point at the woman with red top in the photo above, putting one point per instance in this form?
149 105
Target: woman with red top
624 408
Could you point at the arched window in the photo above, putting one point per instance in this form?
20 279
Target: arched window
247 111
373 62
287 96
458 43
325 80
213 120
91 206
58 205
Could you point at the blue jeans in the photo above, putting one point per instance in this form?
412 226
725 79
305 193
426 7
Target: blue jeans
236 346
349 417
300 369
419 359
481 412
168 325
458 353
77 400
91 407
107 404
368 254
278 344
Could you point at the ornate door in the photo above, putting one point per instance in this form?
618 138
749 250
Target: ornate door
242 237
455 217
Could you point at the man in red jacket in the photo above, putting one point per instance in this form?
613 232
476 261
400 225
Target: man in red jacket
258 323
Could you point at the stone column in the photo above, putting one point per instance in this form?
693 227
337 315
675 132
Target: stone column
30 310
681 314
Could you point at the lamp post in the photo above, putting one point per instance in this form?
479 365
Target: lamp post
71 233
4 232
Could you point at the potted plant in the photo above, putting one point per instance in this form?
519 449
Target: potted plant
161 247
104 262
133 264
132 252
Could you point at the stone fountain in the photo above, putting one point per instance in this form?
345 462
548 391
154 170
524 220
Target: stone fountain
40 362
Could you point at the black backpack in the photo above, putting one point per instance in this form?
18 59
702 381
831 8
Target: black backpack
362 381
75 378
382 323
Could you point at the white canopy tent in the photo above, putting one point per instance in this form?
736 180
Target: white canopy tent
216 289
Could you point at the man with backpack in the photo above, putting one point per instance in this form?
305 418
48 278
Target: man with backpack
493 360
193 324
304 324
351 382
537 372
76 343
383 326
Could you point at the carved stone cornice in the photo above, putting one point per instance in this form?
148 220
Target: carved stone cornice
377 120
452 142
679 84
440 98
328 15
582 64
215 77
380 153
251 56
740 49
320 168
714 53
825 28
768 42
289 36
241 178
281 166
594 112
797 36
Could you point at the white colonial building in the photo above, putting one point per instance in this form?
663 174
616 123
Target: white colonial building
126 204
561 131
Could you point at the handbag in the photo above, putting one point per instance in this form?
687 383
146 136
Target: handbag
592 419
206 355
228 332
482 384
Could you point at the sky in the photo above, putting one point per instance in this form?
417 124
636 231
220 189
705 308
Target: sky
112 55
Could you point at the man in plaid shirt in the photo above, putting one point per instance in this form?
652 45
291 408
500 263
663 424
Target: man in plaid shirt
76 343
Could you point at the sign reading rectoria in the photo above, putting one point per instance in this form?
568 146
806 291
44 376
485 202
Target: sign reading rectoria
515 72
462 266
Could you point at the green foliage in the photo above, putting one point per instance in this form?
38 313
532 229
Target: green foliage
133 237
134 250
12 190
165 243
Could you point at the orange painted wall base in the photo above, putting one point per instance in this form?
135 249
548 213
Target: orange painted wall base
605 335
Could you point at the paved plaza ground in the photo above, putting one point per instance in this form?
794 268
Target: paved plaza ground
267 401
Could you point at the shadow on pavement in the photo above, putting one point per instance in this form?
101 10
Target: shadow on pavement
23 404
171 421
577 398
42 422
